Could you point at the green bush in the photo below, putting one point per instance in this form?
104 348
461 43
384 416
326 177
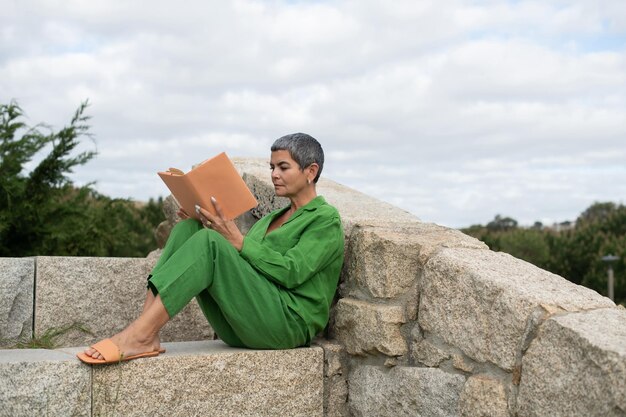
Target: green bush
43 213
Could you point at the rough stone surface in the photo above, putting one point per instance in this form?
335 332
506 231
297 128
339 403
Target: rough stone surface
483 396
382 265
43 383
209 378
404 391
162 232
105 295
576 366
364 327
16 299
335 379
488 304
461 363
170 210
426 353
386 261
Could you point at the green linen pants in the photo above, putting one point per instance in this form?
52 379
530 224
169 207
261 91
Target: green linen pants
243 307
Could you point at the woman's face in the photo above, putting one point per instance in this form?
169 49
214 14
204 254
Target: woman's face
287 177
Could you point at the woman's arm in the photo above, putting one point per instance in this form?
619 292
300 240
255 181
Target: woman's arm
320 243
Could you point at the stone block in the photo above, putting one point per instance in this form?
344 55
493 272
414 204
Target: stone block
170 210
386 262
461 363
37 382
162 232
427 353
17 276
364 327
489 304
404 391
335 379
576 366
209 378
483 396
105 295
357 208
380 263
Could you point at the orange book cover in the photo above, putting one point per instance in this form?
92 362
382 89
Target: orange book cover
216 177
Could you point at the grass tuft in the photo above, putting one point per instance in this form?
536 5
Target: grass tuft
48 340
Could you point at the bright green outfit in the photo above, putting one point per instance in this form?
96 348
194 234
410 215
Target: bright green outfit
274 294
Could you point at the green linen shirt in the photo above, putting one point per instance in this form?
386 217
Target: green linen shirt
303 257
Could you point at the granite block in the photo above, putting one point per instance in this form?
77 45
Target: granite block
210 378
104 295
16 299
38 382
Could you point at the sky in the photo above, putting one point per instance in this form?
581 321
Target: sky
455 111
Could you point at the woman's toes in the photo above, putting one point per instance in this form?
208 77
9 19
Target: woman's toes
93 353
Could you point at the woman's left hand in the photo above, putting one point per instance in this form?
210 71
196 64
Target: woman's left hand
220 224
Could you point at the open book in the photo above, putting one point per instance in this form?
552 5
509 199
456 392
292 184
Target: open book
215 177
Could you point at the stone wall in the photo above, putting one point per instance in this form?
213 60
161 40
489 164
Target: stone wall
429 321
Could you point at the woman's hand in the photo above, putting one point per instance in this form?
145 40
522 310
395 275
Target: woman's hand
220 224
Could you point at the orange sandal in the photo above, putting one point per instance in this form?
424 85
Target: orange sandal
111 354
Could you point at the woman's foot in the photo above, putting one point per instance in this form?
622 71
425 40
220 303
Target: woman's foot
142 335
130 342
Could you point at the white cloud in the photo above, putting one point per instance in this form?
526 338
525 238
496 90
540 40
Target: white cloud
453 110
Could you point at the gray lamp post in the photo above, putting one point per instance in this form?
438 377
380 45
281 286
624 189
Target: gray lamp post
609 259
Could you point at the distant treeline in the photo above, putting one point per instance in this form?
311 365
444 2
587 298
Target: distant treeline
572 250
43 213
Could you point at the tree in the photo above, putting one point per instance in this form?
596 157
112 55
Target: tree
43 213
527 244
502 223
28 201
597 212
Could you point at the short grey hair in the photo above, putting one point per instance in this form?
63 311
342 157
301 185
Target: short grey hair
303 148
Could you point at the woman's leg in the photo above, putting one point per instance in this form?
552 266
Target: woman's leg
142 335
218 322
148 300
242 306
182 231
143 332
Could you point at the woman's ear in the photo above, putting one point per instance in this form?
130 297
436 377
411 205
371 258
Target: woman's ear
311 172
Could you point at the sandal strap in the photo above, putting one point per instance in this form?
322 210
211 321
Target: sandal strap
109 350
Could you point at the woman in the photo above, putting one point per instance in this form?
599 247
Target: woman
270 289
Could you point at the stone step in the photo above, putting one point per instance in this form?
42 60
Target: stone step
191 378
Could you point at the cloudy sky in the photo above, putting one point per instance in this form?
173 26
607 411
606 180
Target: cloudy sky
453 110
